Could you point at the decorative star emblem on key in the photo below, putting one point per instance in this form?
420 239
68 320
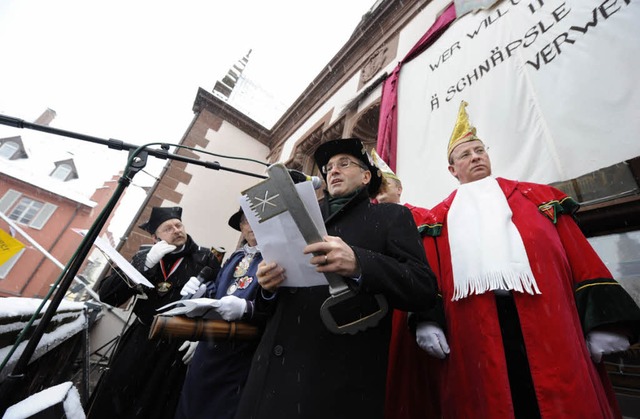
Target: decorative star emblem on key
266 200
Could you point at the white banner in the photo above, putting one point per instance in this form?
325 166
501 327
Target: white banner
553 90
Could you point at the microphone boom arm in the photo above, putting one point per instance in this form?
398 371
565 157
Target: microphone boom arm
163 153
136 162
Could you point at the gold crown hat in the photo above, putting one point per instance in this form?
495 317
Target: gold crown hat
382 166
463 131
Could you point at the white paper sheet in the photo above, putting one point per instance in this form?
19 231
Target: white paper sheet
280 240
132 273
197 307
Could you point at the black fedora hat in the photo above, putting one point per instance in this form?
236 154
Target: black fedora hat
159 215
355 148
234 220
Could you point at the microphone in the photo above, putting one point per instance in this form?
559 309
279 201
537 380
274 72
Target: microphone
206 274
298 177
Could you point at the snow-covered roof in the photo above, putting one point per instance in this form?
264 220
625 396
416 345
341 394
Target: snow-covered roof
94 165
19 306
15 312
55 186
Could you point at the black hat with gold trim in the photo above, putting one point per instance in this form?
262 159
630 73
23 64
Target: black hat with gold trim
159 215
355 148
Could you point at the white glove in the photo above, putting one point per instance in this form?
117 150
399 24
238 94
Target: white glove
231 307
190 348
431 338
157 252
193 287
601 343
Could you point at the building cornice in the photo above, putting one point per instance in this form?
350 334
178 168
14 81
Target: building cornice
376 28
208 101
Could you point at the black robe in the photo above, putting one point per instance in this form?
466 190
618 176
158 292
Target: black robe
301 369
145 377
219 368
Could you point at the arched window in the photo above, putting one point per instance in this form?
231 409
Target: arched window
61 172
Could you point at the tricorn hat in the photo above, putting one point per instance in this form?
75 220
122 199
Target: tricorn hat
234 220
463 131
354 147
159 215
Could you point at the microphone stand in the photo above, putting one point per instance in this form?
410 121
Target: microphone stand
136 162
120 145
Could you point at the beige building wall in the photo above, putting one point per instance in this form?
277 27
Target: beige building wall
212 195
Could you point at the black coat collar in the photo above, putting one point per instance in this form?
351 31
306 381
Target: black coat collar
324 205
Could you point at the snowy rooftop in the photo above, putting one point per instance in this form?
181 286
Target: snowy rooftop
15 312
95 164
18 306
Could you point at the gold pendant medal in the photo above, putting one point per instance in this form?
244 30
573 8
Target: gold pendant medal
163 287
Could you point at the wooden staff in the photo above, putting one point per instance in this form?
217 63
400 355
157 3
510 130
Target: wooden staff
182 327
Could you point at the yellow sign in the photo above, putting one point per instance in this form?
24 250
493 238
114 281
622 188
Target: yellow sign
8 246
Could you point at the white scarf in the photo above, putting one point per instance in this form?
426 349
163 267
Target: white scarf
487 252
250 250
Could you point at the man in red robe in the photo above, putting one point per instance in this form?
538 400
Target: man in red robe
527 307
411 388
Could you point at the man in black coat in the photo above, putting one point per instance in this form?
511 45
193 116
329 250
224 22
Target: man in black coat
145 377
301 369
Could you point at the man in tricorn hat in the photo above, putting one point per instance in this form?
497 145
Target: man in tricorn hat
219 368
527 308
303 369
145 377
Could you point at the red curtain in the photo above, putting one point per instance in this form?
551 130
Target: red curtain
412 389
387 128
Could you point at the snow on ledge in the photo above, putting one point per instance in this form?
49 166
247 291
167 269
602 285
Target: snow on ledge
65 393
15 312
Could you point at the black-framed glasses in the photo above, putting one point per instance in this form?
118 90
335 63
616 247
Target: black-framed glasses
342 163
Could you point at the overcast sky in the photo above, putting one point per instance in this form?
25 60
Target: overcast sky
130 69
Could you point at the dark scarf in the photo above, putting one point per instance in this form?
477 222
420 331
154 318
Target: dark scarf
336 203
